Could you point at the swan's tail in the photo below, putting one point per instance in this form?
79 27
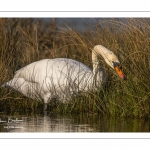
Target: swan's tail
8 84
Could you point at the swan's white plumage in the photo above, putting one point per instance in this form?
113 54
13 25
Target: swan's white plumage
60 77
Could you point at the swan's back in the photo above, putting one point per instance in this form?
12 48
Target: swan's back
54 68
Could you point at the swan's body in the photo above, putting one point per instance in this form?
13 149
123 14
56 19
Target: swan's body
61 77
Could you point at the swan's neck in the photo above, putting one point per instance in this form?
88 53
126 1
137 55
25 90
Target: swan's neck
98 70
95 62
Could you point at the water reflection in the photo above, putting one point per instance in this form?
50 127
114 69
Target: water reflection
71 123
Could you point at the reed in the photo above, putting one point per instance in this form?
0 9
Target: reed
23 41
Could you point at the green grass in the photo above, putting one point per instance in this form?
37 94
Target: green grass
23 41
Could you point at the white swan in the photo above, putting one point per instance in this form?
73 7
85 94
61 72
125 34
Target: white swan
62 77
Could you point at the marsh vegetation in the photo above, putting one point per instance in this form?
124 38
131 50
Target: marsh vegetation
23 41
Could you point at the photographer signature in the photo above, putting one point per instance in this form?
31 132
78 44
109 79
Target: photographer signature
10 120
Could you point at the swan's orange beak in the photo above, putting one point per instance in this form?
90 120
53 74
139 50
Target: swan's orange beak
120 72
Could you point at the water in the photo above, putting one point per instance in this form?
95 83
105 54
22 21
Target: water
72 123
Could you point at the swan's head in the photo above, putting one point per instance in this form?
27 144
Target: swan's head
111 59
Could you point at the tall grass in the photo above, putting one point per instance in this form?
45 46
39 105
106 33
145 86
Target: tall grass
23 41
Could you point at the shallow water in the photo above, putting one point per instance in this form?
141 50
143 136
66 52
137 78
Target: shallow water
49 122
